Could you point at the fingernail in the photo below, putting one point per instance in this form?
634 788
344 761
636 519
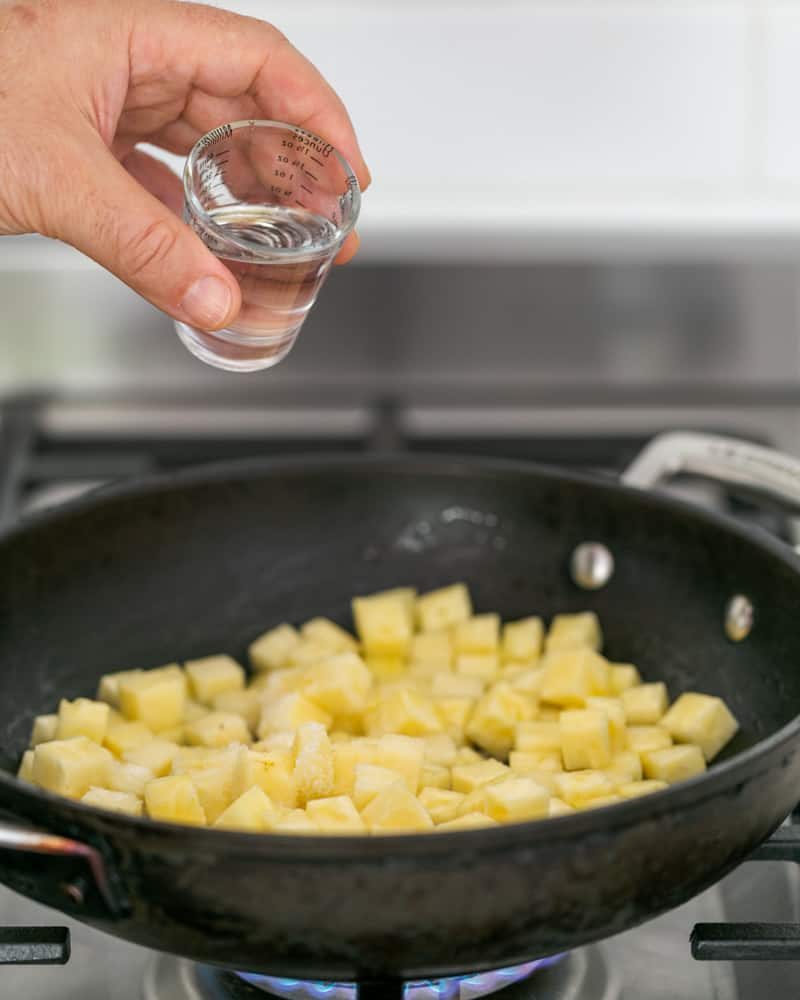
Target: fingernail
207 303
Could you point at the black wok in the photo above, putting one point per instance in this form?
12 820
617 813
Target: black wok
201 562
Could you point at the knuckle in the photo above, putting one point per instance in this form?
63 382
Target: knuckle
150 248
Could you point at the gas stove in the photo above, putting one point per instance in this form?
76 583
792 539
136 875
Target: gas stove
53 449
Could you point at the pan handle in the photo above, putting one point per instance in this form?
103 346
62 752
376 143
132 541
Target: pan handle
766 473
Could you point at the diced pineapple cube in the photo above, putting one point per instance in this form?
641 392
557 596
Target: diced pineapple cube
522 640
527 681
252 811
585 739
337 814
340 685
284 740
371 779
122 736
346 757
82 717
703 720
547 713
214 787
295 821
456 686
478 634
193 710
577 787
290 712
454 714
615 712
309 653
558 807
122 802
313 763
401 710
156 755
443 608
523 762
538 737
154 697
625 767
672 763
44 729
568 677
108 688
271 770
569 631
276 683
328 633
403 754
600 801
217 729
382 624
475 801
25 772
395 809
212 675
516 799
468 777
646 704
440 749
496 716
247 704
129 778
485 666
174 799
470 821
442 804
624 676
385 668
468 755
408 596
435 776
644 738
188 759
70 767
271 651
636 788
432 648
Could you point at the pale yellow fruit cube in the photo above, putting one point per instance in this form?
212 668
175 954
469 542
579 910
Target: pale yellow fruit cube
600 801
44 729
568 678
212 675
432 648
401 710
371 779
309 653
442 804
435 776
569 631
615 711
386 667
403 754
193 710
341 736
484 666
634 789
497 714
526 681
251 811
82 717
25 772
156 755
104 798
188 759
273 684
457 686
475 801
108 688
623 676
247 704
644 738
538 737
328 633
130 778
174 734
382 624
346 757
272 650
440 749
345 727
217 729
672 763
599 676
577 787
470 821
478 634
625 767
468 755
703 720
337 814
154 697
558 807
214 787
522 762
340 685
443 608
290 712
313 763
70 767
122 736
468 777
396 810
271 770
283 740
294 821
522 640
454 714
174 800
547 713
408 597
515 800
585 739
646 704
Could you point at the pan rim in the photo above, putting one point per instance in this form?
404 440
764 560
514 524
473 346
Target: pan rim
531 833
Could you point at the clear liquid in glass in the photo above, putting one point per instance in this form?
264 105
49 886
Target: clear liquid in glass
276 294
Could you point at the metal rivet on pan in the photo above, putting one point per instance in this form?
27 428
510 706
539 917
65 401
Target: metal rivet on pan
591 565
75 892
739 617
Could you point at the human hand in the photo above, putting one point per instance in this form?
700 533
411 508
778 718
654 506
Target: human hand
82 82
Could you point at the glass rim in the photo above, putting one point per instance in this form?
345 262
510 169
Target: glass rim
197 209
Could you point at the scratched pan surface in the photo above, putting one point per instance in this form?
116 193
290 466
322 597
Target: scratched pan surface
202 562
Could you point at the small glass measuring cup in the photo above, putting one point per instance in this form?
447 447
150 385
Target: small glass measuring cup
275 203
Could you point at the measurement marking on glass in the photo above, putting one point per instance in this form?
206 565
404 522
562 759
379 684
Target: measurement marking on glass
312 176
298 202
308 190
319 163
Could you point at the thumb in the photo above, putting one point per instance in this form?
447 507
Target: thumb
114 220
